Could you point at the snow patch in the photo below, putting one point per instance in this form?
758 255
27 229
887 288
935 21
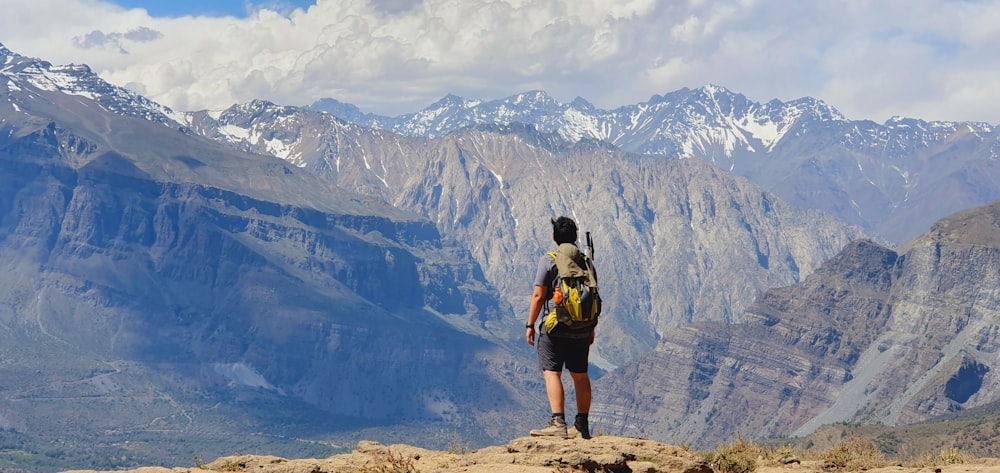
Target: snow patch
235 132
53 80
279 149
180 117
578 125
766 131
498 177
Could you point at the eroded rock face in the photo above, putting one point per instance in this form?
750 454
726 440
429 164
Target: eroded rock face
144 264
362 278
872 336
700 239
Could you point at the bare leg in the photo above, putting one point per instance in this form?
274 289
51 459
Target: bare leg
554 389
581 384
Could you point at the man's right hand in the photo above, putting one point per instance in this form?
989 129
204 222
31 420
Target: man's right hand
529 334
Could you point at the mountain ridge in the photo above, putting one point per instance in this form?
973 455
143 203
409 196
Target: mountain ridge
885 177
488 179
873 336
291 265
894 179
160 285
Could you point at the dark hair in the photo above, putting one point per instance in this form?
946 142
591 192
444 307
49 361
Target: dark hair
563 230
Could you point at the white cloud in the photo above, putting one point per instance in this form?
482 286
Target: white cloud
929 59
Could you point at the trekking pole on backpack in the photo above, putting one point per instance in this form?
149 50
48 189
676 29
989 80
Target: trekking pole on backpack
590 246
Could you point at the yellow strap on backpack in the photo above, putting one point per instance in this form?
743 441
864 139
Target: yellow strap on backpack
551 321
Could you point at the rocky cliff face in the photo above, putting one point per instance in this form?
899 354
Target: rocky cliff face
872 336
894 179
677 240
159 281
156 283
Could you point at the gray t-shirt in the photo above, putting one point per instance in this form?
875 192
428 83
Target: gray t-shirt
546 273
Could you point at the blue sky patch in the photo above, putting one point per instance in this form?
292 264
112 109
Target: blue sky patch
235 8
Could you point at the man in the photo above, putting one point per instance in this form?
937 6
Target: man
561 344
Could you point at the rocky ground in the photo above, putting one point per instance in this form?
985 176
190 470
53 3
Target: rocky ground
524 455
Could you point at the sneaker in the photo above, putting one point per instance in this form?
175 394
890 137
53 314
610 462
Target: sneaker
580 428
555 428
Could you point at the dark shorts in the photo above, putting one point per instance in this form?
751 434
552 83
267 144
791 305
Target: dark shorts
554 352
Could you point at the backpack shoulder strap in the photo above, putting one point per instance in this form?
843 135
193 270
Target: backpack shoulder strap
555 257
591 272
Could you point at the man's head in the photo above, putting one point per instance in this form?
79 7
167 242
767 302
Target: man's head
563 230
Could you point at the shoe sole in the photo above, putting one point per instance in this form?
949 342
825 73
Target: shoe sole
558 436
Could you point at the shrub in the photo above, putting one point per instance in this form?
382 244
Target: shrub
736 457
854 454
946 457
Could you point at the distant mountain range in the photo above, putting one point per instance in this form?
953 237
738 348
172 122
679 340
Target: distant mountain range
212 275
707 240
894 179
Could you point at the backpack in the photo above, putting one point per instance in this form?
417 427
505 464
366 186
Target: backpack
574 290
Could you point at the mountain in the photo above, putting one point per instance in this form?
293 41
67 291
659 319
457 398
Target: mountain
168 275
873 336
364 283
707 241
894 179
162 293
677 240
80 81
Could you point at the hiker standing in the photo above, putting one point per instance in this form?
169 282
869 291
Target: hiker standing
567 331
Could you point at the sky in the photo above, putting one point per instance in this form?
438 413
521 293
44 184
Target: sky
210 8
869 59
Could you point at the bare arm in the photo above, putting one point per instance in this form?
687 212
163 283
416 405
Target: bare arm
535 307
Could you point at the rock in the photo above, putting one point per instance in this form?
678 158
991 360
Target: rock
527 454
788 459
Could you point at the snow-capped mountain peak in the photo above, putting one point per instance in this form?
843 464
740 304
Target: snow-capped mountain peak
79 80
709 121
